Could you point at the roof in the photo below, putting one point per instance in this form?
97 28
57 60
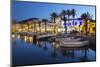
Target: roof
30 19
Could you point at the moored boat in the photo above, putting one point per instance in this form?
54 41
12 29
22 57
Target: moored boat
74 44
72 39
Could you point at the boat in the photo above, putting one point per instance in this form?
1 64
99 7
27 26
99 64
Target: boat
72 39
74 44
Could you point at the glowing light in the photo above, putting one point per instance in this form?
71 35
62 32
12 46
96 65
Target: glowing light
13 35
57 45
25 39
18 36
30 39
53 43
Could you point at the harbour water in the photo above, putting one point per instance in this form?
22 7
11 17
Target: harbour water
25 52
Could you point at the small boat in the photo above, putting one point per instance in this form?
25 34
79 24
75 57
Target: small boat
74 44
67 39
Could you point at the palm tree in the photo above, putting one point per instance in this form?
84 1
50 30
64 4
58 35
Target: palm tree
54 16
45 23
73 13
86 17
63 17
68 14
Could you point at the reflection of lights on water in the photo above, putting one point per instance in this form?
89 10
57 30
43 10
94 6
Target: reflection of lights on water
57 45
25 39
39 42
30 39
13 35
18 36
53 43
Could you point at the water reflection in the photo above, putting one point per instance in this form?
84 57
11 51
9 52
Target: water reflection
67 53
47 51
53 53
25 38
45 46
84 59
39 44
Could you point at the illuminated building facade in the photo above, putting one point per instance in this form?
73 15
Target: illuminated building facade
38 26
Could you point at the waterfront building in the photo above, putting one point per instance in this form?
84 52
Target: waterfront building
38 26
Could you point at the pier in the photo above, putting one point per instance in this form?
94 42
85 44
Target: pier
39 36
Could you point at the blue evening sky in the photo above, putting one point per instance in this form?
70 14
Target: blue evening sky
25 10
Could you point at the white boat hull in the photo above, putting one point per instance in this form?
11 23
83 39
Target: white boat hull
68 39
74 44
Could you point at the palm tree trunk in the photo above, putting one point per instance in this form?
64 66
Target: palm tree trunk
68 19
86 27
54 29
73 22
65 27
79 29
